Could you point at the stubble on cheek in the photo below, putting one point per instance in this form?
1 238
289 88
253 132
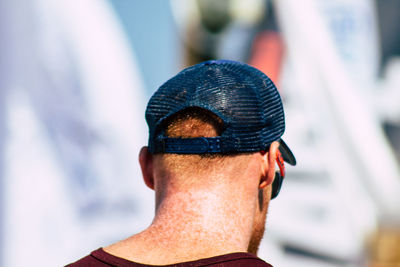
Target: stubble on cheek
259 223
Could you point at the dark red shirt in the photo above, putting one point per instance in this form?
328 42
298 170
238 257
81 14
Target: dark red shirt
100 258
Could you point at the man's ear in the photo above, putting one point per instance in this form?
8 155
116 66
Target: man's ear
146 164
268 170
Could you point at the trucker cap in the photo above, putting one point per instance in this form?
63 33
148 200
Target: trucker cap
244 98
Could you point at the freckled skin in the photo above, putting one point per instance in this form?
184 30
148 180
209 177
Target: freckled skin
203 218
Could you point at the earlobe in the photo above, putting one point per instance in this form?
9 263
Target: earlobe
146 165
263 184
269 165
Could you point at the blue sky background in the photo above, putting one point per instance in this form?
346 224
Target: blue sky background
151 31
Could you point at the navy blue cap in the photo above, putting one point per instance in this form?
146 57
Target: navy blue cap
244 98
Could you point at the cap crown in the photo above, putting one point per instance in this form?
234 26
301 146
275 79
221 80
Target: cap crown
243 97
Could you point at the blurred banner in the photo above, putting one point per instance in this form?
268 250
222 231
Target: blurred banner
71 125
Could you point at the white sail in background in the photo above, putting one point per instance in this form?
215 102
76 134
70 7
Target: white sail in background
347 178
73 115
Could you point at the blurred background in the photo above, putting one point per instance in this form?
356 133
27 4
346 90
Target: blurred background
75 77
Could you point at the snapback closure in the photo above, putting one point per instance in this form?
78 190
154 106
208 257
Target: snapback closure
198 145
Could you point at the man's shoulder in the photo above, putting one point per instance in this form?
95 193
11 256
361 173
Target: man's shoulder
91 260
100 258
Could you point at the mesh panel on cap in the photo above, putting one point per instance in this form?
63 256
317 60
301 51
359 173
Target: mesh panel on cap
243 97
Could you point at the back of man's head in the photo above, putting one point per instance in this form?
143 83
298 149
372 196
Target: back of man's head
211 116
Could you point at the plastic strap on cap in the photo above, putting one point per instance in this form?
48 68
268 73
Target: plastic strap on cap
200 145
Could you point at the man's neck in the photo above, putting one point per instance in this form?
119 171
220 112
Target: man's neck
204 215
192 225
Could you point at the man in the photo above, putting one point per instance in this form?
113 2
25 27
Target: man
215 138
